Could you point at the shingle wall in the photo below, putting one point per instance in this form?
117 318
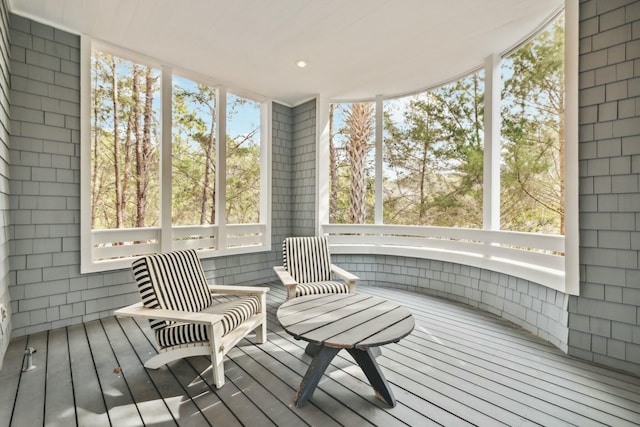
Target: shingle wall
604 320
536 308
303 169
282 160
5 324
46 287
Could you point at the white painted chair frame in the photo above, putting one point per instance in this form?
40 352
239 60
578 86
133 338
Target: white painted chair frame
218 345
291 284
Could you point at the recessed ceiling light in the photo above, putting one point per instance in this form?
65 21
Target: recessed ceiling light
301 63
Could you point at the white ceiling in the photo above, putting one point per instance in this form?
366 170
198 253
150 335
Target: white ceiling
355 48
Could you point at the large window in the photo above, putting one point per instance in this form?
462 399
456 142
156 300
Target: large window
125 143
193 153
169 162
432 156
533 137
471 172
243 160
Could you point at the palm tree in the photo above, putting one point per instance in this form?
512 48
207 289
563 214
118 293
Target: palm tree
359 124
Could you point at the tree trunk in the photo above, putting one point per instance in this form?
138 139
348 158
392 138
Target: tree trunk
209 152
94 174
126 172
140 164
146 148
360 130
422 213
116 143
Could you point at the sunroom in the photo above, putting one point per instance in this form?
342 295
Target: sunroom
474 161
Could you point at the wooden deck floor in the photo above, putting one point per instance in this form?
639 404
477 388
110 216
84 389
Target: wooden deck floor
459 367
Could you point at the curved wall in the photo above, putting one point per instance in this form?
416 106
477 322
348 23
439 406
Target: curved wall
536 308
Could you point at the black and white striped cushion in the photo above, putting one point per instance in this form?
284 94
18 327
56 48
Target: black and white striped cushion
174 281
307 259
234 312
327 287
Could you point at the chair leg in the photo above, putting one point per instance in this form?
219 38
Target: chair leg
352 286
291 291
217 354
261 331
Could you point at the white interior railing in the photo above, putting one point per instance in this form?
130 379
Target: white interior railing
115 248
124 243
195 237
535 257
531 256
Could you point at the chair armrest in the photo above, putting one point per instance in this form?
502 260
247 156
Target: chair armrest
139 310
287 280
238 290
284 276
344 274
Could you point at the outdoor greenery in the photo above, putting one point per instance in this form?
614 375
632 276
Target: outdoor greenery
433 149
126 141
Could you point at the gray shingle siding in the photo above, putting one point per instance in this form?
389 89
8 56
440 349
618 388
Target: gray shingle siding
6 324
303 169
604 321
538 309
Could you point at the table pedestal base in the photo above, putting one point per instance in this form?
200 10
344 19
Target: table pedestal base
322 357
311 349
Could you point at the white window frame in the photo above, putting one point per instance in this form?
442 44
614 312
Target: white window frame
531 256
228 239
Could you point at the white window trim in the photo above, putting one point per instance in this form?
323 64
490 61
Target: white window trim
474 247
231 239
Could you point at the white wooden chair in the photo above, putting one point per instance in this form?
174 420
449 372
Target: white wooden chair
307 268
190 317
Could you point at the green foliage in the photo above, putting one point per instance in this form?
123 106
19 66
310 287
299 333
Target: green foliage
193 157
126 150
243 183
433 156
243 161
114 141
532 192
433 148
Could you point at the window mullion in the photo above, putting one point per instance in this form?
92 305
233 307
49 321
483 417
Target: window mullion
86 235
265 168
323 180
221 169
379 123
492 120
571 178
166 234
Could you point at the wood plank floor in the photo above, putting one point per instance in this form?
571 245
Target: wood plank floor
458 367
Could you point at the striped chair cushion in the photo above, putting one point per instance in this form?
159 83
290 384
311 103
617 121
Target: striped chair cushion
234 312
174 281
307 259
326 287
